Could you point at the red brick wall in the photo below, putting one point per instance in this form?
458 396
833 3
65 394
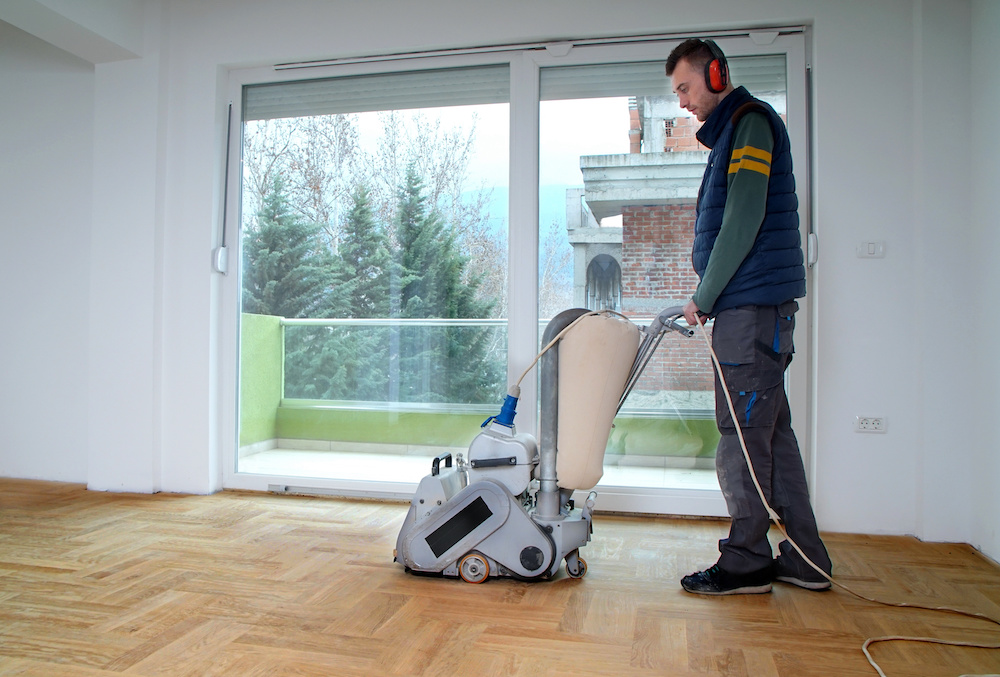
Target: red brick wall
656 252
680 135
635 130
657 272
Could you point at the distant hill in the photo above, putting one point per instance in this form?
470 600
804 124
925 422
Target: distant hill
551 212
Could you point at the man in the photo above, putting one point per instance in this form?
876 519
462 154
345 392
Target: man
748 256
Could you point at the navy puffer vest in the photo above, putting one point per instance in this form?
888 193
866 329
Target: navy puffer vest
773 271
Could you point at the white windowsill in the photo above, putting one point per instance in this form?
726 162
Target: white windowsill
631 489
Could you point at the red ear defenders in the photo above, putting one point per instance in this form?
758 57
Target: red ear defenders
716 70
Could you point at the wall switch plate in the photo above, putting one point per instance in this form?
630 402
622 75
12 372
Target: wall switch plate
869 424
871 249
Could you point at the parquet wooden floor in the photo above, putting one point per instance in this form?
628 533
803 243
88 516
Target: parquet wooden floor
95 584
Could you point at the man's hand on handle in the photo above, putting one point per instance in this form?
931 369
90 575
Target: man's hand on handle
693 314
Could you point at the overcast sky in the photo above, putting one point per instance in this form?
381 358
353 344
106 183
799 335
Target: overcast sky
567 130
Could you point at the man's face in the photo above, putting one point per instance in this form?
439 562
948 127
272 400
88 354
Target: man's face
689 85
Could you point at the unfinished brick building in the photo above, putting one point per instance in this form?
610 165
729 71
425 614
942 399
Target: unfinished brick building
644 264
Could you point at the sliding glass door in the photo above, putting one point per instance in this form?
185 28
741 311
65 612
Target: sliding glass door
619 172
373 280
408 227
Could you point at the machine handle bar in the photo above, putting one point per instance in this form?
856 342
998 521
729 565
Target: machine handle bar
665 321
494 462
436 463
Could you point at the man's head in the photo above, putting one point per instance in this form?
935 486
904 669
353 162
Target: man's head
694 68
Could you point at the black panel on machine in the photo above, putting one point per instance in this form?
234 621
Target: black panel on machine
458 527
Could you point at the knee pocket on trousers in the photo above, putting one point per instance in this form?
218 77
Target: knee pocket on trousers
754 408
754 345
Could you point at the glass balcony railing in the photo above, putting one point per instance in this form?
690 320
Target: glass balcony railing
405 383
396 362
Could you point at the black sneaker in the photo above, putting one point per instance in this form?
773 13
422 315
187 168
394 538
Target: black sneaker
811 580
718 581
815 582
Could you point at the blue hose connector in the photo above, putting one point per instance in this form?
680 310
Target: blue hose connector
507 411
506 415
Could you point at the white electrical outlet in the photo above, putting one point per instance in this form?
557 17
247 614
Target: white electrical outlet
869 424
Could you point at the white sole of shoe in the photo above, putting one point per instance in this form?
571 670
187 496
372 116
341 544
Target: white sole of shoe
808 585
745 590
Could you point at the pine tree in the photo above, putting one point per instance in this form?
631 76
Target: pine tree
366 267
288 272
365 251
447 364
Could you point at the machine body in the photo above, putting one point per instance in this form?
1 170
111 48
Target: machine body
507 510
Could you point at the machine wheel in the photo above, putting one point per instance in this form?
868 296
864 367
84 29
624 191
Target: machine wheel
578 571
474 568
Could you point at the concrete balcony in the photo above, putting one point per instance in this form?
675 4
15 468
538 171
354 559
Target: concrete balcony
612 182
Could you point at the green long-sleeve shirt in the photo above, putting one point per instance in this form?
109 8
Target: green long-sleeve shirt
746 201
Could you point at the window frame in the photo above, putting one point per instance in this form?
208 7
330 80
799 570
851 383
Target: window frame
525 64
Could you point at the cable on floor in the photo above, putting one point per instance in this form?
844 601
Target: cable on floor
777 521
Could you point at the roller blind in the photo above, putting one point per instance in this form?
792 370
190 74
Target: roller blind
388 91
478 85
759 74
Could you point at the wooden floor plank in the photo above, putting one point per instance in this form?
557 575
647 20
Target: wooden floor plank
241 583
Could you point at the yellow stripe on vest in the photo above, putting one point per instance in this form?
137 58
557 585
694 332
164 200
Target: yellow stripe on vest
751 158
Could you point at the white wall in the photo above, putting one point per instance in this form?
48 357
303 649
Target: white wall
942 241
98 31
46 145
892 162
976 309
863 88
126 281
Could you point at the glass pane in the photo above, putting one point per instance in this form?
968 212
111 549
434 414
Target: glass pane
619 174
374 264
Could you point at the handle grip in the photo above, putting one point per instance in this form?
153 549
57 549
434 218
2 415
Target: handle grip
436 464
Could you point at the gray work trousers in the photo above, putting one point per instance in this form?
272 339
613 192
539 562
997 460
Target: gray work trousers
754 346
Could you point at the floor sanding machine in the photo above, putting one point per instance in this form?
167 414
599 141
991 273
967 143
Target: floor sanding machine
508 510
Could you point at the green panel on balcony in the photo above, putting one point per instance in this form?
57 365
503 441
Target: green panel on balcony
632 436
655 436
378 426
261 356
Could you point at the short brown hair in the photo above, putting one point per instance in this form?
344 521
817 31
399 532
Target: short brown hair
693 50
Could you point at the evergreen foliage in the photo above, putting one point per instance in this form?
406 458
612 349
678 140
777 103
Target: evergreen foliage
289 272
286 269
366 253
415 272
444 363
367 266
